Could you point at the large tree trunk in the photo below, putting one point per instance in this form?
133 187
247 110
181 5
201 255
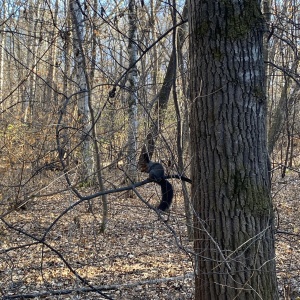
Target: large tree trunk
233 220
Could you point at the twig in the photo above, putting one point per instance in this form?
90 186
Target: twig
287 233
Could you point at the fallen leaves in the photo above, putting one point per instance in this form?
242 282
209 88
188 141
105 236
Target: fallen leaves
136 247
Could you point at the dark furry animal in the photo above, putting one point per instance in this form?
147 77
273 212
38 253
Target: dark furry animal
157 174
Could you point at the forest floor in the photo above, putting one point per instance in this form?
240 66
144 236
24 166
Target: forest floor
286 197
138 257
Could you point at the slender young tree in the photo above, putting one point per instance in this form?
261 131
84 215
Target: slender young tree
52 70
132 99
2 38
233 222
33 13
83 84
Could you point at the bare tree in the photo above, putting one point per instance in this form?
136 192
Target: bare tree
132 99
32 13
83 89
281 55
2 52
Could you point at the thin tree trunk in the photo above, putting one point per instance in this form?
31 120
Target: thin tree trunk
3 40
233 222
66 38
157 118
132 99
159 112
155 54
278 119
176 46
97 154
49 93
83 91
33 44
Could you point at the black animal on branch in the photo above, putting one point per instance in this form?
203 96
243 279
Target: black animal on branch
157 174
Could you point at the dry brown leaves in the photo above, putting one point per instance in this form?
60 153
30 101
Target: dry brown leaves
135 256
136 248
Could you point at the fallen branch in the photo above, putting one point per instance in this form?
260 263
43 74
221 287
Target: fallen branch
287 233
126 188
98 288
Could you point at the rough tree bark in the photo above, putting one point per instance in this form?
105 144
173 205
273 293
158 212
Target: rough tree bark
233 219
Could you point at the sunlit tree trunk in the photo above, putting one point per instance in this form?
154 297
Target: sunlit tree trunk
280 113
53 39
153 24
161 104
182 130
66 39
31 14
233 222
2 39
286 57
83 89
97 154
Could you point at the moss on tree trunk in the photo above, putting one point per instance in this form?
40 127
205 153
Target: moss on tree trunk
231 186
